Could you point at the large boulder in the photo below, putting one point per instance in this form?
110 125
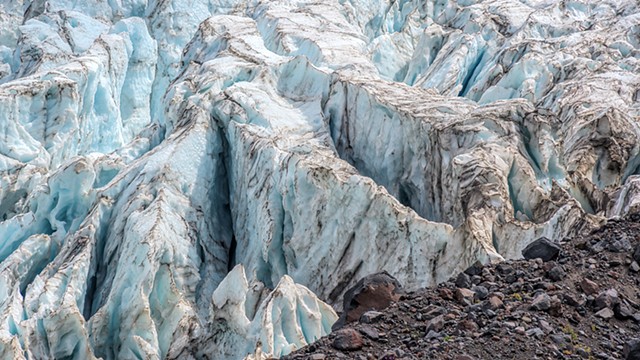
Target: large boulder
632 349
373 292
542 248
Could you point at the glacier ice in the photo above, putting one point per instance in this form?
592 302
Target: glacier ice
246 314
206 178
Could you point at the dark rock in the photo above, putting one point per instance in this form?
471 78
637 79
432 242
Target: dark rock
370 332
623 311
511 278
347 340
481 292
373 292
573 299
463 281
636 254
632 349
370 317
504 269
475 269
619 245
607 298
541 302
556 273
615 262
542 248
589 287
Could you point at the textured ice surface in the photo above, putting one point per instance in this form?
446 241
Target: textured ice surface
199 179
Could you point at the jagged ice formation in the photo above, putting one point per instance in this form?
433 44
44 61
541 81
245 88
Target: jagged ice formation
198 179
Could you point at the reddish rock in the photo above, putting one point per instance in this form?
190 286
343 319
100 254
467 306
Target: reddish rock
374 292
347 340
494 303
468 325
464 295
589 287
445 293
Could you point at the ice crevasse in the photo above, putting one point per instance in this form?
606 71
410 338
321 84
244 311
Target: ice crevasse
204 179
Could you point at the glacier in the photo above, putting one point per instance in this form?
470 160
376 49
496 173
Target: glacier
206 178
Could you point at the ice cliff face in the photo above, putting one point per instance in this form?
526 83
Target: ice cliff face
179 178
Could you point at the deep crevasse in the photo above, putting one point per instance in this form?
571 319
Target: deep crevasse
189 178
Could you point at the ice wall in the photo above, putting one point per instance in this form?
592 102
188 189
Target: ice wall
200 179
